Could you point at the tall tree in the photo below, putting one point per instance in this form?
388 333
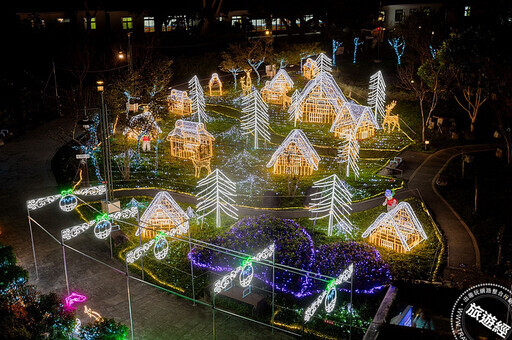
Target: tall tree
255 121
197 97
233 61
377 94
257 51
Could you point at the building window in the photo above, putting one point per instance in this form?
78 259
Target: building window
236 20
277 25
382 16
258 25
149 24
127 23
467 11
399 15
92 23
174 22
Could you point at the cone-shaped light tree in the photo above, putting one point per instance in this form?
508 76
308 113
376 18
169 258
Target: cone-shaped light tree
255 120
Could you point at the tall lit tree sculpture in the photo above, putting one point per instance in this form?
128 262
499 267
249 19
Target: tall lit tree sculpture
332 200
255 120
294 111
349 153
197 97
335 46
377 94
324 63
356 46
398 45
216 196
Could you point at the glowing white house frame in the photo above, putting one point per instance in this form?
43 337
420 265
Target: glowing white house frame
399 229
357 119
320 101
162 214
274 91
215 85
295 156
310 69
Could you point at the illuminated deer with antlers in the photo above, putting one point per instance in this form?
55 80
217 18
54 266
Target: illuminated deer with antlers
246 83
389 120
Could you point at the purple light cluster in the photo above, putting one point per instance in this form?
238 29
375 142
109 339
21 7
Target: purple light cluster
294 248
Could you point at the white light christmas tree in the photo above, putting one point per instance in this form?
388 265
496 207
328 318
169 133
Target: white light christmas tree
255 120
324 63
217 196
377 94
332 200
197 97
349 153
294 111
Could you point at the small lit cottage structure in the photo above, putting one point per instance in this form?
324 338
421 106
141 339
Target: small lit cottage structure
190 140
274 91
180 103
310 69
355 118
141 124
215 85
295 156
320 101
398 229
162 214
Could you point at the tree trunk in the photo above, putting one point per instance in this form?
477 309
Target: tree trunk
422 121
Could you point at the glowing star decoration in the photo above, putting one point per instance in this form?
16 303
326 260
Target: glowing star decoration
295 114
356 46
71 232
329 294
398 45
73 299
245 271
92 314
349 153
335 46
324 63
332 200
68 200
217 196
197 97
255 120
162 249
377 94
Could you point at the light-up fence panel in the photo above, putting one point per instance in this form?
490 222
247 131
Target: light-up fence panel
102 224
68 200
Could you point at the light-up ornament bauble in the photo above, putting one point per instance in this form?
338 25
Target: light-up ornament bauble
68 202
161 248
102 229
330 300
246 275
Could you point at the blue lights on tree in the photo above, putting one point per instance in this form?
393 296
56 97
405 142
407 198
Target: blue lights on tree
356 45
335 46
398 45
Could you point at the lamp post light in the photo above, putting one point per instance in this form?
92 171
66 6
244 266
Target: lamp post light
120 55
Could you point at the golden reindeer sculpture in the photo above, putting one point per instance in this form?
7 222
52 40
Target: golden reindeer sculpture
391 121
246 83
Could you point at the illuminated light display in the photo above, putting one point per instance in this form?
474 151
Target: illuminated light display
197 97
293 111
391 121
217 196
67 198
330 302
349 153
377 93
295 156
143 123
255 120
73 299
320 100
324 63
161 248
398 45
310 69
399 229
179 103
332 200
191 140
92 314
162 214
357 43
355 118
102 229
246 83
71 232
274 91
215 85
335 46
245 269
